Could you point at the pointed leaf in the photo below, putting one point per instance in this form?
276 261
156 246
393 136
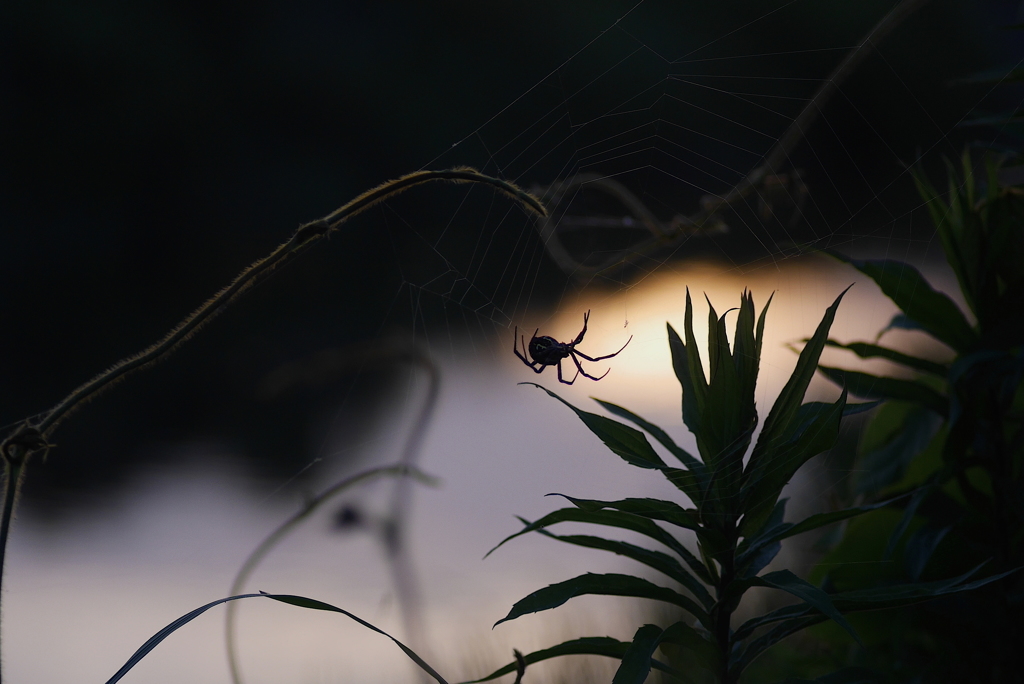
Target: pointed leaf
611 584
626 521
876 387
787 581
777 533
655 509
688 460
908 289
636 662
814 429
877 598
638 659
777 427
688 483
744 657
907 594
866 350
628 443
700 645
661 562
602 646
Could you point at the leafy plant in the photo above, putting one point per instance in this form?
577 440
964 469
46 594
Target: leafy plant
736 514
953 434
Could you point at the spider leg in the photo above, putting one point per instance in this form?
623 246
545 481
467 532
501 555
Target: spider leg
564 381
579 368
607 356
579 338
522 357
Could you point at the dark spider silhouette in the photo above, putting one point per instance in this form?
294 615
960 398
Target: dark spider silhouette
546 351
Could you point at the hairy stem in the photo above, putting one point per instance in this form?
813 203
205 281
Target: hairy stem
14 470
303 238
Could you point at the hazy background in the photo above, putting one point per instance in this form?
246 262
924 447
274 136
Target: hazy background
152 150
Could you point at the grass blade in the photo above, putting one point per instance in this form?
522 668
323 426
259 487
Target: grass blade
300 601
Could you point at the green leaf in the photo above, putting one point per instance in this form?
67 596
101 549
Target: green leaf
602 646
777 533
750 553
908 289
686 482
744 657
612 584
655 509
907 594
620 519
896 434
787 581
300 601
661 562
814 429
699 644
688 460
875 387
636 662
877 598
638 659
871 351
628 443
778 428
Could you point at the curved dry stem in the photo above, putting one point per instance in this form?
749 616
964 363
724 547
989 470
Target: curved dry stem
325 367
272 540
704 220
303 238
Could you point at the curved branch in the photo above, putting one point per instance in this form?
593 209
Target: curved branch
303 238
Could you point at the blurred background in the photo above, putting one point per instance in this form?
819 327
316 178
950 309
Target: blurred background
151 150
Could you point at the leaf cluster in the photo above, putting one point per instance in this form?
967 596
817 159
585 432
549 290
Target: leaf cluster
953 432
734 511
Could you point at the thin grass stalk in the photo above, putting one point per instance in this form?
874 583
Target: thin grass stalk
321 368
774 160
404 577
275 537
303 238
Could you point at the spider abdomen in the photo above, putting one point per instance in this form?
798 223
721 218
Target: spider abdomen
547 351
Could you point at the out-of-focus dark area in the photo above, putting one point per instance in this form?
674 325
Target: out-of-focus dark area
151 150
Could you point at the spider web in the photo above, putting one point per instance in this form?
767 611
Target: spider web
632 140
678 122
637 131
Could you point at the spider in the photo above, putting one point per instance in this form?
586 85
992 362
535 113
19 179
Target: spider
546 351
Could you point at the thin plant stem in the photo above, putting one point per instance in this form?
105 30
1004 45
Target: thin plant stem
303 238
703 220
323 367
282 530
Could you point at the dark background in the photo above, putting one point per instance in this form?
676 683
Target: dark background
150 150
